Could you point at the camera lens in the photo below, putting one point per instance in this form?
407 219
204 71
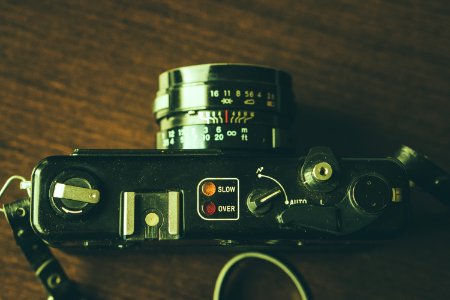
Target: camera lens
223 106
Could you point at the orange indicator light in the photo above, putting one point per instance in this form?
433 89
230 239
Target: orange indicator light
208 188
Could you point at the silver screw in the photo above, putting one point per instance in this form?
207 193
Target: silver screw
152 219
322 171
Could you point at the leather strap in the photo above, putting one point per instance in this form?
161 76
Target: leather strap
46 267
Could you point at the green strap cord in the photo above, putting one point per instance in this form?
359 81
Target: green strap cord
239 258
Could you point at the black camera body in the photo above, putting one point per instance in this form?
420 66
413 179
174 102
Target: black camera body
222 174
212 197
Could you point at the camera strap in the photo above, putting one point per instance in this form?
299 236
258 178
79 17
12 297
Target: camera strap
425 174
45 266
60 287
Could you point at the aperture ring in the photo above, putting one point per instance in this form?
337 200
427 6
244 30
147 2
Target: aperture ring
226 95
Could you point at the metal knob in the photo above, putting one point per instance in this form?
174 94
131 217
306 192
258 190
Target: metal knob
74 194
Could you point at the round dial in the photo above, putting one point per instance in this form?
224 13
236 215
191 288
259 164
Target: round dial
74 193
370 193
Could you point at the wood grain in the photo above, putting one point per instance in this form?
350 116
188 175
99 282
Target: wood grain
368 76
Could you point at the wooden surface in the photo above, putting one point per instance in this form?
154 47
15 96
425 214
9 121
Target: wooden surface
368 76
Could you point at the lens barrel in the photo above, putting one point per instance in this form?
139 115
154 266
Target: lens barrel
223 106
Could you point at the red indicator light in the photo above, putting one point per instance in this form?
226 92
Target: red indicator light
209 208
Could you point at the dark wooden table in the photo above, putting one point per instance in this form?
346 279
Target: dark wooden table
368 76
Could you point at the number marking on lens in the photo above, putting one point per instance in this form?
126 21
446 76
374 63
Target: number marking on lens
225 95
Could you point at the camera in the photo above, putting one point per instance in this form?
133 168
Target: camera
222 174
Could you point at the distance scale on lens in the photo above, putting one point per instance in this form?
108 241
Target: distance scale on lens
214 136
223 106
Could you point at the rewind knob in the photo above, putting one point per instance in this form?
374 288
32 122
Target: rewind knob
74 193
